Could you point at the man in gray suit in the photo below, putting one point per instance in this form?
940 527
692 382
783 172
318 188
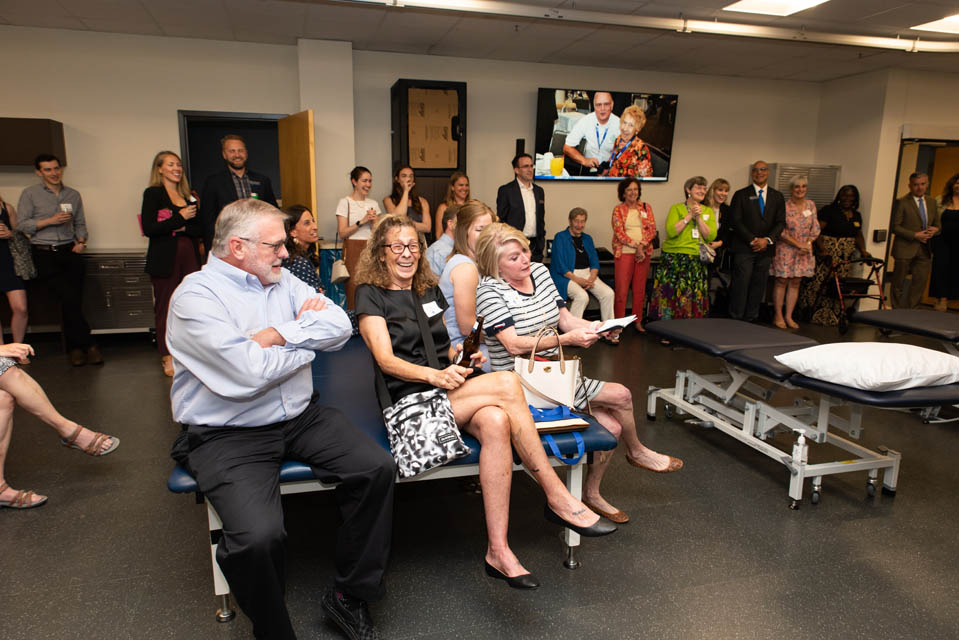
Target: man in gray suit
915 219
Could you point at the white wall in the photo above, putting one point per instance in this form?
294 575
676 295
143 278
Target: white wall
722 125
117 97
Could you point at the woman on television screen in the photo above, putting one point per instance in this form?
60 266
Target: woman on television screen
630 156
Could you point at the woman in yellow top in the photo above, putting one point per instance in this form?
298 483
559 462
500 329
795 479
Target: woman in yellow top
681 286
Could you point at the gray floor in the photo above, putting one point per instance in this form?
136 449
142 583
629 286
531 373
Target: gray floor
712 551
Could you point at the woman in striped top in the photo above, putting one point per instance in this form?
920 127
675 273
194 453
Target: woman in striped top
517 298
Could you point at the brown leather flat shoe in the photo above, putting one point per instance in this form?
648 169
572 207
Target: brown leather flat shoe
613 516
675 464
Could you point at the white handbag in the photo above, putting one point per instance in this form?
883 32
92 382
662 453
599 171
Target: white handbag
548 383
338 272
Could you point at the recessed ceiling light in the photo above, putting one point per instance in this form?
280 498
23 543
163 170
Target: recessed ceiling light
946 25
773 7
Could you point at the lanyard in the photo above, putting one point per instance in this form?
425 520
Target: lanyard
599 143
612 160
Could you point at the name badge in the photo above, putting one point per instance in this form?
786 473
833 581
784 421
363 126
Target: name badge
431 309
696 233
806 213
645 213
705 216
856 224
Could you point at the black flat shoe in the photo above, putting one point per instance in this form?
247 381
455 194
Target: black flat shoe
525 581
598 528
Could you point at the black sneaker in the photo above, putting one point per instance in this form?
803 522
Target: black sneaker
351 615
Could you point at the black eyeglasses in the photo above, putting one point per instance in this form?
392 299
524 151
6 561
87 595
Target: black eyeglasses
276 246
399 247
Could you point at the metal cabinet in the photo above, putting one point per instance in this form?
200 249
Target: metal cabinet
117 294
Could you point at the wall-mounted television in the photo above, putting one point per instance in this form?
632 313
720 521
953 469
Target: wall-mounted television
584 134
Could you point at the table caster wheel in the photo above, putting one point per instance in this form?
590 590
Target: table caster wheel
794 505
814 497
668 411
870 490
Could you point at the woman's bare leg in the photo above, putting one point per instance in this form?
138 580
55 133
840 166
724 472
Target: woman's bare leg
30 395
502 390
617 401
792 294
779 292
491 426
6 431
18 319
601 459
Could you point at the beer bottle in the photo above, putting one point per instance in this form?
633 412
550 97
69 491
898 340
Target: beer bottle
472 343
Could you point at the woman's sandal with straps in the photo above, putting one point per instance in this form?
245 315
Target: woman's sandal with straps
23 499
95 447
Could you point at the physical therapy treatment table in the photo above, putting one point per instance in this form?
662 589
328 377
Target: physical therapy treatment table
937 325
735 403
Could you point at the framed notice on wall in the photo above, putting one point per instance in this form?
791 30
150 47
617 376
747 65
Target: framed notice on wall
429 126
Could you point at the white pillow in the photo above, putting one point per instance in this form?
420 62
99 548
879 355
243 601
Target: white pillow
874 366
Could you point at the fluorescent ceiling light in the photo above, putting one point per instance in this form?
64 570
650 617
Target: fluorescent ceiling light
946 25
773 7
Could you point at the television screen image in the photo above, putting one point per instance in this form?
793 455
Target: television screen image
584 134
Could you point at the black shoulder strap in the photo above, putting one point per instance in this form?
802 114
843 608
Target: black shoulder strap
431 356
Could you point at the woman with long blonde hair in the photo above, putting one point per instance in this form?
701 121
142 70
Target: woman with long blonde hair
457 192
168 218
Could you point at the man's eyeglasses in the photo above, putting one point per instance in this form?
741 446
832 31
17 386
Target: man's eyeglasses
398 247
276 246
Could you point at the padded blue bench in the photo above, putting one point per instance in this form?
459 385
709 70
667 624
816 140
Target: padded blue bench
344 379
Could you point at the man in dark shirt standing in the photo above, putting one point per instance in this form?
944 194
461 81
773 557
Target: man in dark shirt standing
522 204
234 183
52 215
758 218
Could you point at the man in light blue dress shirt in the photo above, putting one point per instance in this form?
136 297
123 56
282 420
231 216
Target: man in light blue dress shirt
242 332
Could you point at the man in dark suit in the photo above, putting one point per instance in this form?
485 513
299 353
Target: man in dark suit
522 204
234 183
915 219
758 218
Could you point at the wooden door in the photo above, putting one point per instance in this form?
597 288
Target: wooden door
297 159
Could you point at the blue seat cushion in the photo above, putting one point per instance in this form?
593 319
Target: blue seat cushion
719 336
344 380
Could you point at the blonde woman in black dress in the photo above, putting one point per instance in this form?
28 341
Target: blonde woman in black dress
10 282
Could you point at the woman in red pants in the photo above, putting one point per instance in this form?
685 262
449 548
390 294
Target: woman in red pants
634 228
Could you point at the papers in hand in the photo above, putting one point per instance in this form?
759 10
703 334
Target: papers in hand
616 323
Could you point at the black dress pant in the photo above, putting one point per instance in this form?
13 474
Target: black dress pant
748 286
238 469
63 272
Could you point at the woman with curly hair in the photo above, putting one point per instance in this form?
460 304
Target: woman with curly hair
394 279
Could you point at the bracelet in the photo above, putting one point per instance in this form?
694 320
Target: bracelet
359 223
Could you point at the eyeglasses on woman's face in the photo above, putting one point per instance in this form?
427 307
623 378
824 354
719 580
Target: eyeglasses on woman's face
399 247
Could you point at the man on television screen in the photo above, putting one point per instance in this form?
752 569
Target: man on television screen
599 129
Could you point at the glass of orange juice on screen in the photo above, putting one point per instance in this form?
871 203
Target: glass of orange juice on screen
556 166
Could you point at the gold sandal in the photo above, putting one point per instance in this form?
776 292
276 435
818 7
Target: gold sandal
96 444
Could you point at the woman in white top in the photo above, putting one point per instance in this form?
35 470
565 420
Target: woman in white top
355 216
460 276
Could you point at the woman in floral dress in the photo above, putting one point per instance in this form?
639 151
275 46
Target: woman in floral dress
681 288
794 258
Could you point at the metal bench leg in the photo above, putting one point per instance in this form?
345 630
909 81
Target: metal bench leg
221 588
226 612
574 483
